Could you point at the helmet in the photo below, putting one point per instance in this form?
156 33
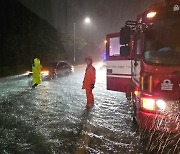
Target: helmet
88 58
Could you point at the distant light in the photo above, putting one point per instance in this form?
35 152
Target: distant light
27 73
105 41
99 65
176 8
151 14
44 73
87 20
104 55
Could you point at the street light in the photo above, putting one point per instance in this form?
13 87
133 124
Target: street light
74 42
87 20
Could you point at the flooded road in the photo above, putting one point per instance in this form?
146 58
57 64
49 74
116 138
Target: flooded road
52 118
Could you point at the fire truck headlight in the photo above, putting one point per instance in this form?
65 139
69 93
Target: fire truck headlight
161 104
148 103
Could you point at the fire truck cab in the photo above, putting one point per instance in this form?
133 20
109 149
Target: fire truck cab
143 60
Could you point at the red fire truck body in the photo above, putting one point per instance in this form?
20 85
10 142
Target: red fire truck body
143 60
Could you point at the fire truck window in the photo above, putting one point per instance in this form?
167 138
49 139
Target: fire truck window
137 45
162 42
114 47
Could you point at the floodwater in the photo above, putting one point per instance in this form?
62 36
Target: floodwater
52 118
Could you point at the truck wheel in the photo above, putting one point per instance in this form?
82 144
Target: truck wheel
128 96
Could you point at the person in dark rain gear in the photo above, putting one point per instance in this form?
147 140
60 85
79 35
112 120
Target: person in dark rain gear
36 69
89 81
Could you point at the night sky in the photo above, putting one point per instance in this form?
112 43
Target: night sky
107 16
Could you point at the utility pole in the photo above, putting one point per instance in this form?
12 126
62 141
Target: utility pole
66 15
67 6
74 42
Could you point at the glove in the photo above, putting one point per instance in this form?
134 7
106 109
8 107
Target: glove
92 86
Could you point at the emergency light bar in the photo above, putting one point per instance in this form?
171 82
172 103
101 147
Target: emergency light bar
131 24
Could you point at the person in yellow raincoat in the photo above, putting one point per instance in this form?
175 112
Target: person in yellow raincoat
89 81
36 70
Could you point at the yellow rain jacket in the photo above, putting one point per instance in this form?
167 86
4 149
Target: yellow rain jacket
36 69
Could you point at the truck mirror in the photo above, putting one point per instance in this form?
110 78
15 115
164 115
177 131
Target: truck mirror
125 34
124 51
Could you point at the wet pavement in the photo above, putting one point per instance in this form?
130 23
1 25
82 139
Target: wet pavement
52 118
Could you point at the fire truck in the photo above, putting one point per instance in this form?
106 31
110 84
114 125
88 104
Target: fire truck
143 61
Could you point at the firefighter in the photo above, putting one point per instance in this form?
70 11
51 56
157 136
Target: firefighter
36 69
89 81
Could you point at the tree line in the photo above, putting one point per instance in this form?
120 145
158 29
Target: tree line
25 36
